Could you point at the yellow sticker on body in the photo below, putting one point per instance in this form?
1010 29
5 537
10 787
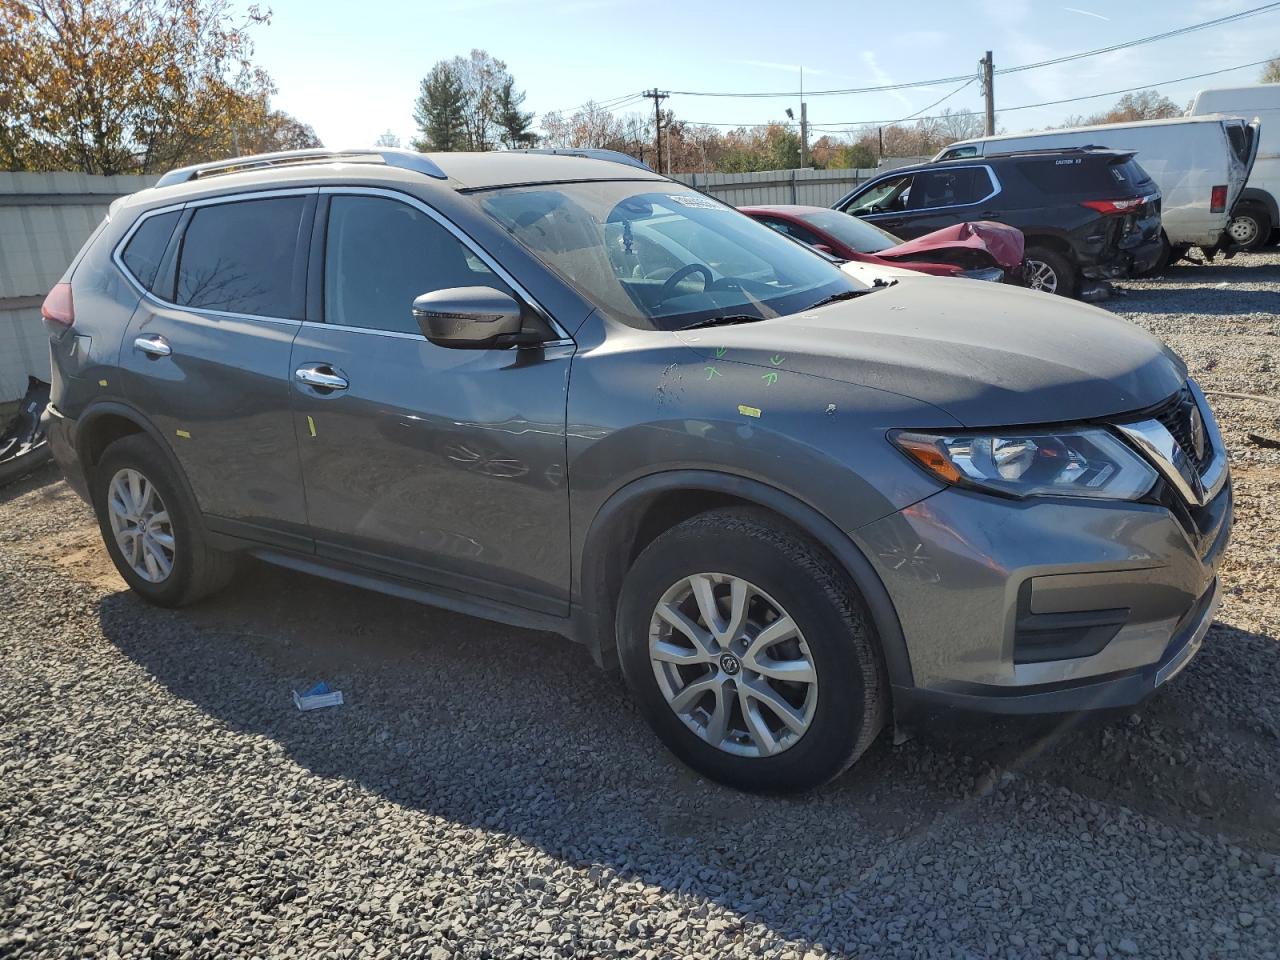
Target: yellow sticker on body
311 425
749 411
184 434
102 383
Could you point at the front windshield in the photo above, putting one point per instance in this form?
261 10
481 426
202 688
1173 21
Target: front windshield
660 256
852 232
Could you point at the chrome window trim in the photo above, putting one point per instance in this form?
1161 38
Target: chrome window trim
996 185
1157 444
117 255
463 238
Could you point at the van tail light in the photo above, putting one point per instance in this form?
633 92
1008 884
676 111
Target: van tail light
1108 207
1218 199
57 311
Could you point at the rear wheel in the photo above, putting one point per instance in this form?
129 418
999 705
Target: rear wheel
151 527
749 653
1250 226
1048 270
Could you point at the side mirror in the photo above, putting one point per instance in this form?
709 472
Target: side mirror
468 317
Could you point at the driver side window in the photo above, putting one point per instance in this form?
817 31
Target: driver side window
888 195
381 255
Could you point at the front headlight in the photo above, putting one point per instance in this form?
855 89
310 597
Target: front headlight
1088 462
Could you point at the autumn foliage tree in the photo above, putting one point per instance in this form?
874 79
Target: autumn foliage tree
133 86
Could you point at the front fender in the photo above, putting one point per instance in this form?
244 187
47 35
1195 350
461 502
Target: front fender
600 557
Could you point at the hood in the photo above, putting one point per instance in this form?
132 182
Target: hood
1001 242
987 354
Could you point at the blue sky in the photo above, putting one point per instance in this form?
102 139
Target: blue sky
352 70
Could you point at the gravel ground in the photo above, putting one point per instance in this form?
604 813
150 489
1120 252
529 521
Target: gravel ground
485 792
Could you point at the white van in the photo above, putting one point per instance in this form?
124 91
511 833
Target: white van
1255 217
1200 165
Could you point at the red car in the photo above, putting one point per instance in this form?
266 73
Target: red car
980 250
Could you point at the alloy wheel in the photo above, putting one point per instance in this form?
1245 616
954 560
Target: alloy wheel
733 665
1041 276
141 525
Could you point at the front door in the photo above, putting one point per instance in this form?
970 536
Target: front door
440 465
206 355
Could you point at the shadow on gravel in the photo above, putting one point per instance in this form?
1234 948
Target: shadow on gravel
1201 283
45 476
517 732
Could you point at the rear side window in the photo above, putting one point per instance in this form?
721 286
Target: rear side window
146 247
381 255
793 230
949 188
239 257
1077 176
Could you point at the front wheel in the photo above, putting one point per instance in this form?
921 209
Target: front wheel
1049 271
749 653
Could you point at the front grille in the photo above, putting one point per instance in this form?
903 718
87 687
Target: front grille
1176 416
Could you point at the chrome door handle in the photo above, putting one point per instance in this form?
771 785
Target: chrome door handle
321 375
153 345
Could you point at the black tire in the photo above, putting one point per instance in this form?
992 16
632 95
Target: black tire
1256 215
198 569
1065 273
852 695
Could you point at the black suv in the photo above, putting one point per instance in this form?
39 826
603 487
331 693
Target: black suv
1085 211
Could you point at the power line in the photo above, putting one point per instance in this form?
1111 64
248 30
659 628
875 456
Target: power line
1168 34
977 113
936 102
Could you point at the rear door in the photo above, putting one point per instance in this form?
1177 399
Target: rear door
438 465
1244 138
206 353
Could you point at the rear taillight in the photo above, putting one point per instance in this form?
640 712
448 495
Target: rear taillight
57 311
1115 206
1218 199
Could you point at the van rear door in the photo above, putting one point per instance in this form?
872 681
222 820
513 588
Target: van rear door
1243 138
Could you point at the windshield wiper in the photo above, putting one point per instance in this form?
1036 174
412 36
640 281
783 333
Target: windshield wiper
722 321
850 294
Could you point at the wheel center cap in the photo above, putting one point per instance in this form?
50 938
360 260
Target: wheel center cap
729 664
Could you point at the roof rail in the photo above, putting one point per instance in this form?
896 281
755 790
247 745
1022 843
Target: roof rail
591 153
405 159
1032 151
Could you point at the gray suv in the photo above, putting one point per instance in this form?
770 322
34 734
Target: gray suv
566 393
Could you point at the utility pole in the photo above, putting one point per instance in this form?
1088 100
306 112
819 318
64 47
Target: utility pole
804 123
804 134
657 97
988 90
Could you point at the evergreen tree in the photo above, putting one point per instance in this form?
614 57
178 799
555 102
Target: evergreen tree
439 110
515 123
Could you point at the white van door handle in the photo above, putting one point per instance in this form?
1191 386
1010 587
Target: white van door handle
153 345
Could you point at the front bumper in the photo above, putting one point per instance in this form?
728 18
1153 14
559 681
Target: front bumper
1046 606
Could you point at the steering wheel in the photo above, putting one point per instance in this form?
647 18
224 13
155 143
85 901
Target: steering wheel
669 285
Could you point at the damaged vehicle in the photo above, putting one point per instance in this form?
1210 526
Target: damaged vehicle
572 395
1086 214
977 251
23 444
